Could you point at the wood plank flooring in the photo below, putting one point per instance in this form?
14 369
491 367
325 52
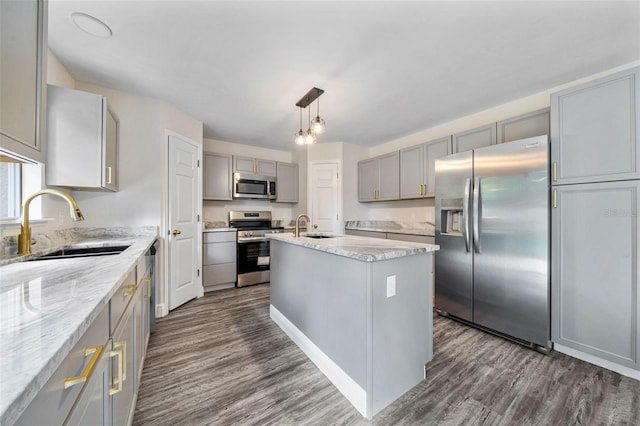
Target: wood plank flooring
220 360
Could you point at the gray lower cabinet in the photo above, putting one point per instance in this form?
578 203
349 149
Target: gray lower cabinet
417 168
82 141
594 130
23 74
524 126
56 399
217 177
379 178
595 294
287 183
219 258
475 138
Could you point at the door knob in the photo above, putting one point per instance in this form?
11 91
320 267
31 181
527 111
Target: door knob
176 232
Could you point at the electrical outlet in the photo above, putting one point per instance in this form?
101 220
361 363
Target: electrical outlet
391 285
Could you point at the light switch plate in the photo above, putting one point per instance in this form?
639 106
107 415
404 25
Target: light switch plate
391 285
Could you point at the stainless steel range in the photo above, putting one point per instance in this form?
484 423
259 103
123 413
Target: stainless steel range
253 245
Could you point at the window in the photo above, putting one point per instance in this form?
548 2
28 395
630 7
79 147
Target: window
10 190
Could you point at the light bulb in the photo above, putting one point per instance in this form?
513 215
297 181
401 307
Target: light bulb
317 125
300 137
309 138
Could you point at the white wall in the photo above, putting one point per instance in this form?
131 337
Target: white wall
219 210
352 209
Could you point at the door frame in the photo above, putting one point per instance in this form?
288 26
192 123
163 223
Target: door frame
340 189
162 290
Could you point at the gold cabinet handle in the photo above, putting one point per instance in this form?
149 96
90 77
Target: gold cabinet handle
119 380
176 232
555 171
147 279
96 351
555 198
122 344
132 290
109 175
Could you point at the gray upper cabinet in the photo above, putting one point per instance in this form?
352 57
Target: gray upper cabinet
594 127
595 294
218 184
255 166
476 138
287 183
82 138
524 126
417 167
379 178
23 43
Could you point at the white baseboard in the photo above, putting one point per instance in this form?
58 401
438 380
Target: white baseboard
160 311
621 369
341 380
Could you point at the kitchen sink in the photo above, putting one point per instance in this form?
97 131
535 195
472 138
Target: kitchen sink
71 252
317 236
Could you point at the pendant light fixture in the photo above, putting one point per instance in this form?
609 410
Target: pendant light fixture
317 125
300 135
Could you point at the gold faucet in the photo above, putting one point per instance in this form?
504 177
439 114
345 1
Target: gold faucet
24 240
297 234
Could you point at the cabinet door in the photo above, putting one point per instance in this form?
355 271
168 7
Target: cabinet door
138 336
412 172
535 123
93 405
266 167
110 152
123 381
368 178
218 183
23 77
244 164
476 138
287 183
595 294
432 151
594 127
389 176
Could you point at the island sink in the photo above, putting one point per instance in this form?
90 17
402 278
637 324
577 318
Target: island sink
319 236
70 252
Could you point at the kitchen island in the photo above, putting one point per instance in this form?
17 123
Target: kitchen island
360 308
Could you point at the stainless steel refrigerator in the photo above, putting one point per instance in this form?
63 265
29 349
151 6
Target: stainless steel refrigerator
492 225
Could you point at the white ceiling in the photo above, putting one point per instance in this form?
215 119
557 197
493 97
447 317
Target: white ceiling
388 68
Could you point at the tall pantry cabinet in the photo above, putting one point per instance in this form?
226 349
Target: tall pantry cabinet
595 167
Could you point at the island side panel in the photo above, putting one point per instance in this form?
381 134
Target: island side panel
325 297
402 327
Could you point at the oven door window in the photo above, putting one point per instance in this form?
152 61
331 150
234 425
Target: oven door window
251 187
253 256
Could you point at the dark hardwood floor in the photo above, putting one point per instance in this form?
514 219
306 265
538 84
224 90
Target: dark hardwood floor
220 360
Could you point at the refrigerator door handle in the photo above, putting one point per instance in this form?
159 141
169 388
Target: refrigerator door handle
476 214
465 213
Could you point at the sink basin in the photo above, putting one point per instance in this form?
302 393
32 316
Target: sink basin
319 236
83 252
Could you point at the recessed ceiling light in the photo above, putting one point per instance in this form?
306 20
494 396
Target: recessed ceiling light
91 25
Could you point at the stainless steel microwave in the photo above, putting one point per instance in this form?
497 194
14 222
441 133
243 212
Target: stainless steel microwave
246 185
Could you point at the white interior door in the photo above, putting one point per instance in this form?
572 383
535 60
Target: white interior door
184 282
324 197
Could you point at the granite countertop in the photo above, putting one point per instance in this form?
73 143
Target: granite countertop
359 248
71 293
392 227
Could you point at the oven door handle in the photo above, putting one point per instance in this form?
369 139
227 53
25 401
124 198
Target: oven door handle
251 239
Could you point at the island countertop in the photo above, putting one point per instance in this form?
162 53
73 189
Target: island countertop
71 293
360 248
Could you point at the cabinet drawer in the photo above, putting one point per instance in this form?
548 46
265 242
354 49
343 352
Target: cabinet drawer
219 253
53 403
219 237
219 274
121 298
